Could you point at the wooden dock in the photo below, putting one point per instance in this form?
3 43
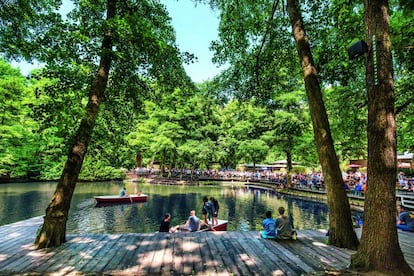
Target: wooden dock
207 253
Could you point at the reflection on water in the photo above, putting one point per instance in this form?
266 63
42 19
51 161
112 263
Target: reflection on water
243 208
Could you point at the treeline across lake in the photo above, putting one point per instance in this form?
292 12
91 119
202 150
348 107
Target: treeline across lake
187 128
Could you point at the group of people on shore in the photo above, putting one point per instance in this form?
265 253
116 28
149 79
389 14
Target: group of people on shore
209 210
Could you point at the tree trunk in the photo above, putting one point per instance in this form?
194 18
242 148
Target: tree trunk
342 233
379 249
53 230
288 168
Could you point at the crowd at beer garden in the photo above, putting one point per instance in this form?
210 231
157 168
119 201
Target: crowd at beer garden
354 180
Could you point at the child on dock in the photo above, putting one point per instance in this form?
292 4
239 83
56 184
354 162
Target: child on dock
269 225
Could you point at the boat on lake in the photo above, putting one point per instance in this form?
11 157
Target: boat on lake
221 226
114 199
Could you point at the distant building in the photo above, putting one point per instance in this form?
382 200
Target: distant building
404 160
273 166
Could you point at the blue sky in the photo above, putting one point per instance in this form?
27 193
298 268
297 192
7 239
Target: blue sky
195 26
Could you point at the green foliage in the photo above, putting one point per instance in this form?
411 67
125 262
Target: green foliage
151 106
18 142
255 42
253 151
96 168
348 115
144 53
301 169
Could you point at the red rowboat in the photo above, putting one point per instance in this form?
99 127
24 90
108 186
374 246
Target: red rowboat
221 226
121 199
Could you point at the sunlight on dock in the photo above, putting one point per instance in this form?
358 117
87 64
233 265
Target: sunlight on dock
205 253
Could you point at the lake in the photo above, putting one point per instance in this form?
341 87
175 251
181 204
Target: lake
244 208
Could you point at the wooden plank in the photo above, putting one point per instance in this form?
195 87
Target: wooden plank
310 255
145 253
217 260
335 255
208 253
107 250
60 256
274 259
291 259
340 254
158 253
77 253
10 256
187 263
166 256
209 264
119 262
14 239
177 254
249 257
267 259
18 262
166 268
233 252
250 261
24 261
197 254
232 268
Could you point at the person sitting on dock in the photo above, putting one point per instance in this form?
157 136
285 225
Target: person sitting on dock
405 221
165 224
283 226
269 225
193 223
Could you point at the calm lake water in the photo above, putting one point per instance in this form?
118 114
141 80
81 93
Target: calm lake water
243 208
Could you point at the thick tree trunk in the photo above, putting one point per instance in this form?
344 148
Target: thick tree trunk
380 249
53 230
342 233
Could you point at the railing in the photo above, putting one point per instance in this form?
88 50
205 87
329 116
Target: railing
406 199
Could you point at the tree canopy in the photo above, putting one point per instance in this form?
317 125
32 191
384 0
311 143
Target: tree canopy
263 67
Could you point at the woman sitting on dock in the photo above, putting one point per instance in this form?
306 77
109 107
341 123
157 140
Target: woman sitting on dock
165 224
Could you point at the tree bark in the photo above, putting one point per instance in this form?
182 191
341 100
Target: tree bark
379 249
53 230
288 168
342 233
